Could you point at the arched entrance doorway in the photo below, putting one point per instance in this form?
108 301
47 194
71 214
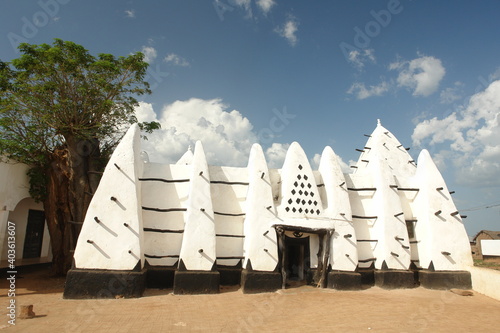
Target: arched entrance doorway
31 232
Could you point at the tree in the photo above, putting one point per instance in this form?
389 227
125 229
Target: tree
62 111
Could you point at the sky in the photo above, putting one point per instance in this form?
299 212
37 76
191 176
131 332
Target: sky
321 72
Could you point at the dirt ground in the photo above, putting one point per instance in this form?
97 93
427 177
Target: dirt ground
302 309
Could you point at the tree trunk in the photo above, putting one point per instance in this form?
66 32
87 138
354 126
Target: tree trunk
57 212
69 191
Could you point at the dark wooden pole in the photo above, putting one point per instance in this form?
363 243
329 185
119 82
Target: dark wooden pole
282 250
319 269
326 258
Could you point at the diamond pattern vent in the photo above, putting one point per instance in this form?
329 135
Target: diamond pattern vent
302 199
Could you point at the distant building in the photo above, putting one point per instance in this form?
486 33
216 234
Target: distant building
486 246
22 216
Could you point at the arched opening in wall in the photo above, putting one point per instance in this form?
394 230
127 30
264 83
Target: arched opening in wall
32 235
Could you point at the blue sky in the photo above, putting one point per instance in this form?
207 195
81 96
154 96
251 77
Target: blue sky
235 72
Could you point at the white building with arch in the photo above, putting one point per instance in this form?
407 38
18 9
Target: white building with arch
20 214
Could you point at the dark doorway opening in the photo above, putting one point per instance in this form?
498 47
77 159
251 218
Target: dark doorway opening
297 263
34 234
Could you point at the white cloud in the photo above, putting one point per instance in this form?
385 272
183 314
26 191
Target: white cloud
495 75
245 4
149 53
343 165
176 60
422 75
361 91
451 94
289 30
359 58
227 136
130 13
266 5
145 112
275 154
469 138
315 161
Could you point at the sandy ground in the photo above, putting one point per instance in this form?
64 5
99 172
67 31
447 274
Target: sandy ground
303 309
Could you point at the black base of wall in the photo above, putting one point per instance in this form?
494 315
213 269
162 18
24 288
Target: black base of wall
160 277
260 281
445 279
311 278
342 280
395 279
87 283
196 282
367 277
229 276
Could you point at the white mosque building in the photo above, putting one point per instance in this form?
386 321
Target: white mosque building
192 227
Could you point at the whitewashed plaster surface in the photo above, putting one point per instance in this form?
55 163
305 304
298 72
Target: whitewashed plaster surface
211 214
440 233
300 201
112 233
260 238
343 251
490 247
389 227
299 192
165 190
198 250
14 187
15 184
385 160
362 204
485 281
229 187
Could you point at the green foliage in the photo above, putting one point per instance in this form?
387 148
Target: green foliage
54 94
37 179
487 264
